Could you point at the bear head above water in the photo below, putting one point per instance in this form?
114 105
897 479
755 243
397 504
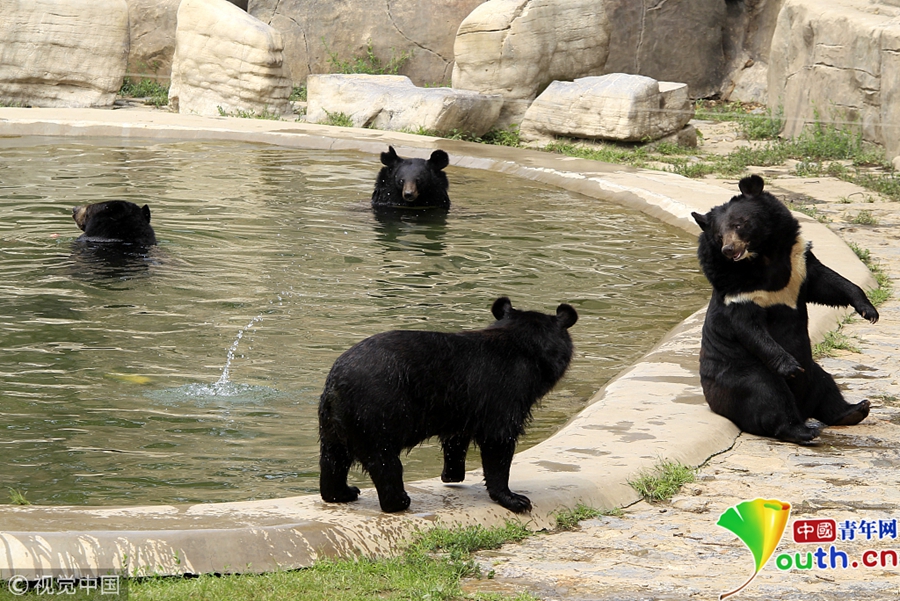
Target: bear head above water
116 221
412 183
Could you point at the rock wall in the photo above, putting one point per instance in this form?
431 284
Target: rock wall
313 28
227 61
152 24
62 53
839 61
669 40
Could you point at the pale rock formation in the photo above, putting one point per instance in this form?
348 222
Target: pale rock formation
392 102
62 53
152 25
620 107
227 61
315 29
838 61
517 47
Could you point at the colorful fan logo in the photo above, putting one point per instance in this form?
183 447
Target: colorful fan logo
760 524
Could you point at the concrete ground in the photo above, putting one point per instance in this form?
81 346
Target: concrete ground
675 550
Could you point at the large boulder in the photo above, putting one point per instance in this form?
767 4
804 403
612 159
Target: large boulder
152 25
63 53
515 48
393 102
619 107
672 41
314 30
838 60
227 61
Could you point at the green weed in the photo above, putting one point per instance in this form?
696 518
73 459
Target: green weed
834 340
663 481
865 218
337 119
567 519
151 91
249 114
17 497
368 63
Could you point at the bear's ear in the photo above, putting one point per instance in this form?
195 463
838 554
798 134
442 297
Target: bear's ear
566 315
751 185
390 157
145 211
439 159
702 220
501 307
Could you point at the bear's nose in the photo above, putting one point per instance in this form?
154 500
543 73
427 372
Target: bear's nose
728 251
409 191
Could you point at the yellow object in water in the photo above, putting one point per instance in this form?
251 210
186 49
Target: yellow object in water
131 378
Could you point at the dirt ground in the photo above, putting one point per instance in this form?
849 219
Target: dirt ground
676 550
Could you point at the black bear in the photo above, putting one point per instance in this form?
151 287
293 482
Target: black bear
396 389
756 364
117 221
411 183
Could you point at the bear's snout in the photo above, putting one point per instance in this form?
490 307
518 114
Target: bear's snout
733 247
79 214
410 191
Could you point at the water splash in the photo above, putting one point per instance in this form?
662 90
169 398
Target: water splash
223 380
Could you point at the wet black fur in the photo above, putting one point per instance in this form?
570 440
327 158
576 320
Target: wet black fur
115 221
412 183
396 389
756 364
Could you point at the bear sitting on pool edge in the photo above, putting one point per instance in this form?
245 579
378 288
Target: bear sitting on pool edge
396 389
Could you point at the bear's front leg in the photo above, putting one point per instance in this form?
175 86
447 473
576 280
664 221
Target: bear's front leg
827 287
455 449
496 459
748 323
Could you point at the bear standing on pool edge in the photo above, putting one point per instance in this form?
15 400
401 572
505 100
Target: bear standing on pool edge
412 183
396 389
117 221
756 364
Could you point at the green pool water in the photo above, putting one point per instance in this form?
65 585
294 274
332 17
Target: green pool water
193 374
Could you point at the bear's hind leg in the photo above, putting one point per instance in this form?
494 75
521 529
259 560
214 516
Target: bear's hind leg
760 403
455 449
386 472
832 409
496 459
334 464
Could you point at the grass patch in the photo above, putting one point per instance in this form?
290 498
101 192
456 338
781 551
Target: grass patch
663 481
885 287
368 63
337 119
251 114
150 90
834 340
568 519
865 218
17 497
431 567
298 94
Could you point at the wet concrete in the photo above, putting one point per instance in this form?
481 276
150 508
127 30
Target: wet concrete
653 410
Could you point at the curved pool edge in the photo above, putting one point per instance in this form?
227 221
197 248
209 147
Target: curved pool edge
652 410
